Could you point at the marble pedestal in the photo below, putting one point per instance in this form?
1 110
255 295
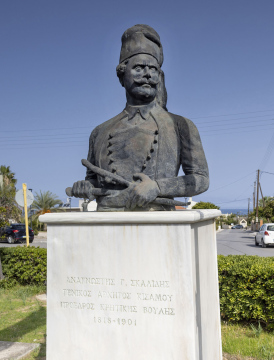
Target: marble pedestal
133 286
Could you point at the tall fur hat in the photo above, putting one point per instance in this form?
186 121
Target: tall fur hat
141 39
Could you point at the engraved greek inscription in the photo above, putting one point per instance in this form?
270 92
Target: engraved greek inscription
149 283
118 308
117 321
158 311
76 305
71 292
90 281
154 297
114 295
141 292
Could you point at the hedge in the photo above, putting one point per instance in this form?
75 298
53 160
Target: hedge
24 266
246 285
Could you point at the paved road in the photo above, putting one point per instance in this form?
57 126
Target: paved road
229 242
38 241
240 242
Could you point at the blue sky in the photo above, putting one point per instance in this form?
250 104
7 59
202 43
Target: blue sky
58 81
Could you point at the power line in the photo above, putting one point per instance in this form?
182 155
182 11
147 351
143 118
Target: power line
228 133
226 202
47 141
249 112
42 143
231 183
222 133
54 142
46 135
62 128
69 135
234 128
267 153
230 120
243 193
88 127
42 147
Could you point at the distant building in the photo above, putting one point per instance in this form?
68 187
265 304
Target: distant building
180 208
192 203
243 222
92 206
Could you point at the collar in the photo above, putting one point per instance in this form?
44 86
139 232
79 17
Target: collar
143 110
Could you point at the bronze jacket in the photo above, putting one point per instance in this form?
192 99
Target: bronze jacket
174 142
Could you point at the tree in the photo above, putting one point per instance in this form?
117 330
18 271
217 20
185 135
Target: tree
205 205
268 210
232 219
8 208
266 213
45 202
8 176
267 199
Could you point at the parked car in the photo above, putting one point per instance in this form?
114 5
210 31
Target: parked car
265 236
15 233
237 227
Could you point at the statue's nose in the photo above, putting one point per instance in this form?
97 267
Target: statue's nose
146 72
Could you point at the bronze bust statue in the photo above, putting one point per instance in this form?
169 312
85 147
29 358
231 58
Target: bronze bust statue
134 158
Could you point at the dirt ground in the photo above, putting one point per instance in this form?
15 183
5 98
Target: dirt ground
236 357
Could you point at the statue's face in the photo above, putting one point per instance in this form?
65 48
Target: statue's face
141 77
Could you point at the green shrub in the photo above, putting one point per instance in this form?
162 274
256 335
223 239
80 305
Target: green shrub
205 205
24 266
246 285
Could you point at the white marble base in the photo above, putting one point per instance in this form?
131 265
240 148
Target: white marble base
133 286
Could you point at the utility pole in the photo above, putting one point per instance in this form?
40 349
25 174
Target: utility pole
254 195
248 206
30 212
262 195
257 199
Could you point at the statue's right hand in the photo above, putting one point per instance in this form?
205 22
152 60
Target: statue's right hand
83 189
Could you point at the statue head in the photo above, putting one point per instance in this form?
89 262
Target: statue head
139 70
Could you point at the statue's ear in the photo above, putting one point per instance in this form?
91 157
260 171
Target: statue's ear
120 71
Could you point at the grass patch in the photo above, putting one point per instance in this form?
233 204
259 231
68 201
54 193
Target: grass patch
23 317
247 341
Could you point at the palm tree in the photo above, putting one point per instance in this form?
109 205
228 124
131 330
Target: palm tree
46 202
8 176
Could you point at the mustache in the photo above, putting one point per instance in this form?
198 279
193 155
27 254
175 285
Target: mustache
145 81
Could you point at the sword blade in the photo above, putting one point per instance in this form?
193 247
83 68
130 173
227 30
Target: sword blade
120 180
105 173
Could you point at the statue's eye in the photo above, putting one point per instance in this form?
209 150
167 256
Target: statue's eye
138 68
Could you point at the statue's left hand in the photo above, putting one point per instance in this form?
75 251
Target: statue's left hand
142 192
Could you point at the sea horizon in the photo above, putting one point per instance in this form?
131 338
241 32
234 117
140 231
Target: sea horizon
234 211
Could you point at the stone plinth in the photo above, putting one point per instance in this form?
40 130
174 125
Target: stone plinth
133 286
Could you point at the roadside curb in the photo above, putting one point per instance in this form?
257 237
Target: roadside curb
15 350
